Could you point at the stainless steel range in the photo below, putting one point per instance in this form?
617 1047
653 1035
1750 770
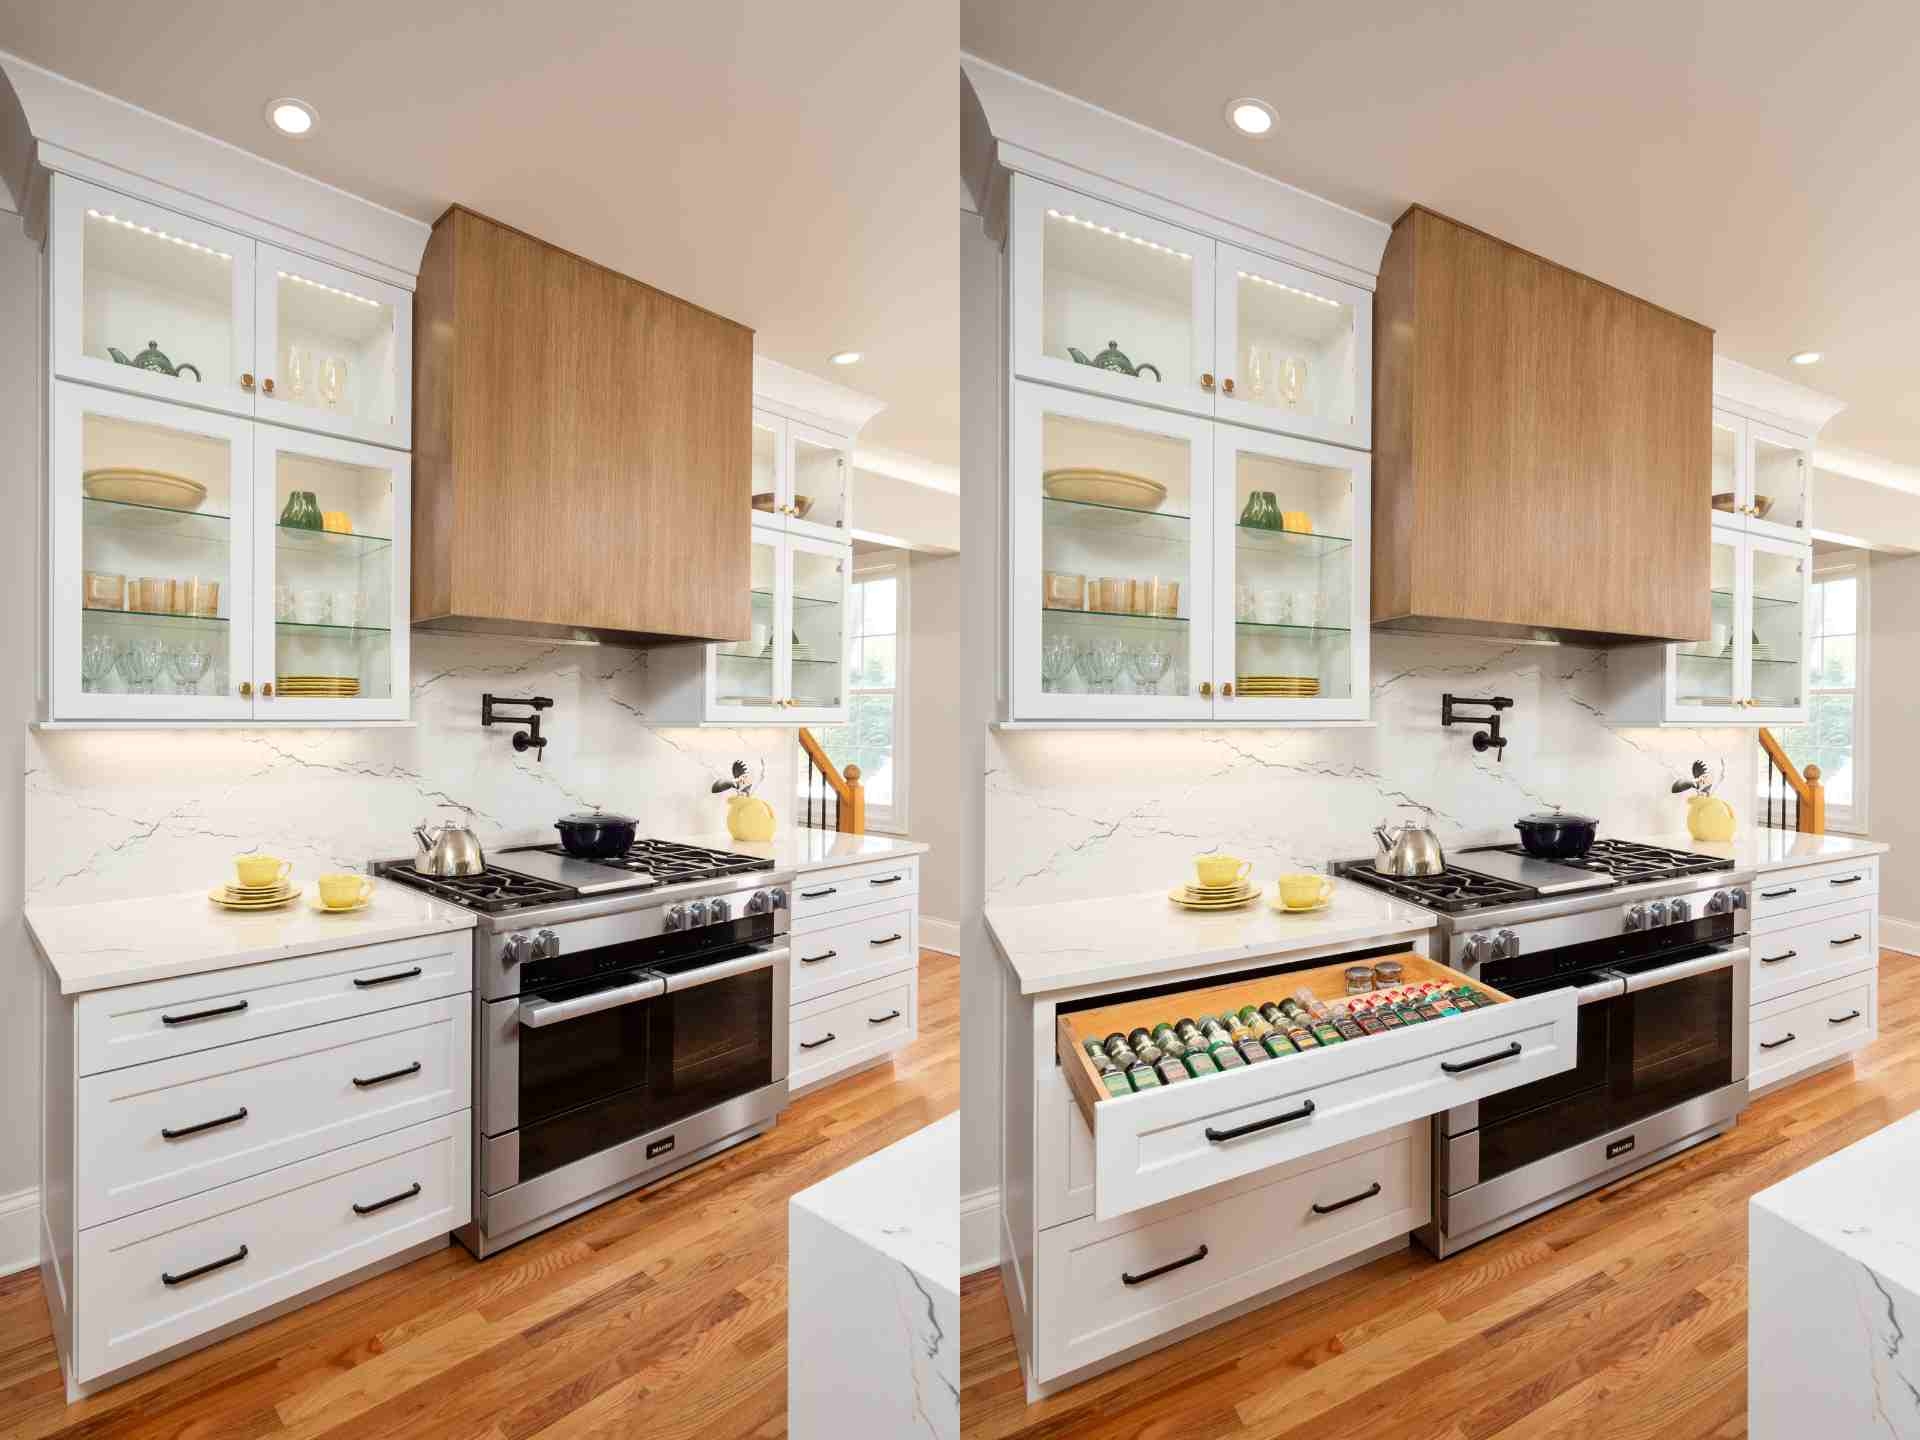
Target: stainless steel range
1655 942
630 1019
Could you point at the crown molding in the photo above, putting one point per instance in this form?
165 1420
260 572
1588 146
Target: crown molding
1803 409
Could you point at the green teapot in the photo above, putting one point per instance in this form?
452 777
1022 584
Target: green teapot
151 359
1111 359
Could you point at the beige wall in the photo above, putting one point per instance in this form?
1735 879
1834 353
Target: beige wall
1874 515
938 787
896 512
1893 765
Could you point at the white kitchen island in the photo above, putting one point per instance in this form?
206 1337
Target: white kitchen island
1833 1287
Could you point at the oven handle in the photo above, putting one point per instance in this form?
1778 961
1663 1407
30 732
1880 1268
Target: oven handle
1687 969
1611 987
728 969
536 1013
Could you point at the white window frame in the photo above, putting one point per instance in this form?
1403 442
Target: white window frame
1849 819
889 819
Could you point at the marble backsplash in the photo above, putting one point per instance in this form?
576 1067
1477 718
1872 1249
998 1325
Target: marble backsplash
116 813
1074 814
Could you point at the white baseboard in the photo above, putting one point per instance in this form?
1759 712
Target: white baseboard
19 1231
1901 935
979 1231
941 935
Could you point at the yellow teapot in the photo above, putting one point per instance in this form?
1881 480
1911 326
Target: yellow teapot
1709 818
749 818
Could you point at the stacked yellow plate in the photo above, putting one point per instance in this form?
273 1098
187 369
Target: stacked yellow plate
1283 686
319 686
1212 897
252 897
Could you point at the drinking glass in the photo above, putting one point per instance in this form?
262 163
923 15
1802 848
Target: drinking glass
139 662
1148 663
1058 655
1099 664
1293 381
333 380
97 658
299 372
283 602
187 662
313 607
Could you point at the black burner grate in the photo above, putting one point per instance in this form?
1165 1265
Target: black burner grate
1450 892
492 892
1631 863
671 863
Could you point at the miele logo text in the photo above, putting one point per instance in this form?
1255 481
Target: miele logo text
659 1148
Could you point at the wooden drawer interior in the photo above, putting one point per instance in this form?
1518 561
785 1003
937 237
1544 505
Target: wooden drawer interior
1327 982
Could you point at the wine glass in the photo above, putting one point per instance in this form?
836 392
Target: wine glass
97 658
188 662
139 662
1098 662
1293 380
299 371
333 380
1147 663
1058 655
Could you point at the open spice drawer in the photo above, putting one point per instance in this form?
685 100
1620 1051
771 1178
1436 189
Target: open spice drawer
1158 1144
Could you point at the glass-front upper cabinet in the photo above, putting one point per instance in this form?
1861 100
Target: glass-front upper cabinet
331 578
820 588
769 494
1112 546
334 350
148 301
1110 301
802 479
1294 350
744 677
1780 587
152 531
1293 578
1707 681
1760 478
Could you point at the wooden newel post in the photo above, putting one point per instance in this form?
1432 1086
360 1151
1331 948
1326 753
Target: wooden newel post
1813 809
853 808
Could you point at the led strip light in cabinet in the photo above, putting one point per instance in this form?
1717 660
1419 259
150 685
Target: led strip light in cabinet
331 290
158 234
1290 289
1118 234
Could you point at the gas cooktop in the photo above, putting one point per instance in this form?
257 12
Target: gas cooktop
1461 888
670 863
650 865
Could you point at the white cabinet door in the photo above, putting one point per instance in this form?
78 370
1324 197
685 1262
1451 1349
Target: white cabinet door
1731 491
1112 535
771 487
1293 350
819 484
151 569
1110 301
745 682
333 350
331 605
1706 679
1779 468
812 640
1779 589
148 301
1291 574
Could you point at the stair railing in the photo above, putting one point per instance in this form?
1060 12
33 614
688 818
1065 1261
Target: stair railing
1802 799
838 801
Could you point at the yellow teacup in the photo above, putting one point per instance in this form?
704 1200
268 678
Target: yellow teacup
344 891
256 870
1304 891
1211 870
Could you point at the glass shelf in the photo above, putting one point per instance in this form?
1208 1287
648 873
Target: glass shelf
331 542
1759 599
202 525
1261 628
797 599
163 617
1165 526
768 659
1104 617
301 627
1728 659
1291 542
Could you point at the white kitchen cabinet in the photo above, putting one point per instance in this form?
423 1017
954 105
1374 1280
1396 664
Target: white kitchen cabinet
1293 350
802 478
1816 967
856 968
333 350
1762 478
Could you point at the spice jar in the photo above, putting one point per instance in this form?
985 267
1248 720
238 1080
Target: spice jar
1360 979
1388 973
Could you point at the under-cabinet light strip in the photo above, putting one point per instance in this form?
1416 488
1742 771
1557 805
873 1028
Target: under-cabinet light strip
159 234
1290 289
316 285
1118 234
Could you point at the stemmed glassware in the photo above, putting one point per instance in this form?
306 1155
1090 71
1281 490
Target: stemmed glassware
1148 663
138 662
1292 380
1058 656
187 662
1099 661
333 380
98 656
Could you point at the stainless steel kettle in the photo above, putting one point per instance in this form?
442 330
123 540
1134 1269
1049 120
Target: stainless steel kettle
448 849
1408 849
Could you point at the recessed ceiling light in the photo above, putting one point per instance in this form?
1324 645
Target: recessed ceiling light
291 117
1806 357
846 357
1250 117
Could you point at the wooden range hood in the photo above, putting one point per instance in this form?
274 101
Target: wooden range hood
582 447
1542 460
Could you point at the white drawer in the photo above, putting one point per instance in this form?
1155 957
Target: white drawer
1063 1162
138 1023
297 1227
850 1027
1780 892
826 891
1811 1027
1162 1143
159 1132
1821 943
1101 1288
860 945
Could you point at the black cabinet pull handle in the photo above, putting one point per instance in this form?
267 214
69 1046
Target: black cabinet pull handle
1776 959
1286 1118
816 1044
889 940
1158 1271
1454 1067
816 894
816 959
413 1069
1848 880
390 1200
1843 1019
1786 1039
890 1015
1776 894
387 979
1848 941
207 1269
1366 1194
233 1009
239 1114
887 880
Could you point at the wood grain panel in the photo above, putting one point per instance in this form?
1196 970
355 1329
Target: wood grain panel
1543 444
590 444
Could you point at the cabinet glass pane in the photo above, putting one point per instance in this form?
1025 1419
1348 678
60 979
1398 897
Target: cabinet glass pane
819 628
156 548
156 300
743 671
819 483
766 469
1779 627
338 350
1292 579
1116 300
1116 551
1704 670
1726 469
1779 483
333 570
1298 350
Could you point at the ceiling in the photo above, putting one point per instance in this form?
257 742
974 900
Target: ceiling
1747 163
789 166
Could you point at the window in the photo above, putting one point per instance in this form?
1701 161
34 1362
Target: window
1833 736
874 737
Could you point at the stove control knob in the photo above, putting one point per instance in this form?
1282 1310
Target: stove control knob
1719 903
1679 909
546 945
1738 897
674 919
1476 947
1656 912
518 949
719 910
1506 945
759 903
696 913
1635 918
777 897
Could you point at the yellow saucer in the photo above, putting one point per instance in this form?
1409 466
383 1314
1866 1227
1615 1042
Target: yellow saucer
1178 894
314 902
266 902
1285 909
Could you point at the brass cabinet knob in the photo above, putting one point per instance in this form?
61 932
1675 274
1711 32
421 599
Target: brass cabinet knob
1227 689
1227 385
266 385
1206 382
267 689
1206 689
246 689
246 381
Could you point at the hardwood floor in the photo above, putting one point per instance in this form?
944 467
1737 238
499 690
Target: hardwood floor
1621 1315
662 1313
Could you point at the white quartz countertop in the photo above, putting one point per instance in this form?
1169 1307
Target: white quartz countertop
1861 1202
1092 942
1756 847
124 942
796 847
903 1201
